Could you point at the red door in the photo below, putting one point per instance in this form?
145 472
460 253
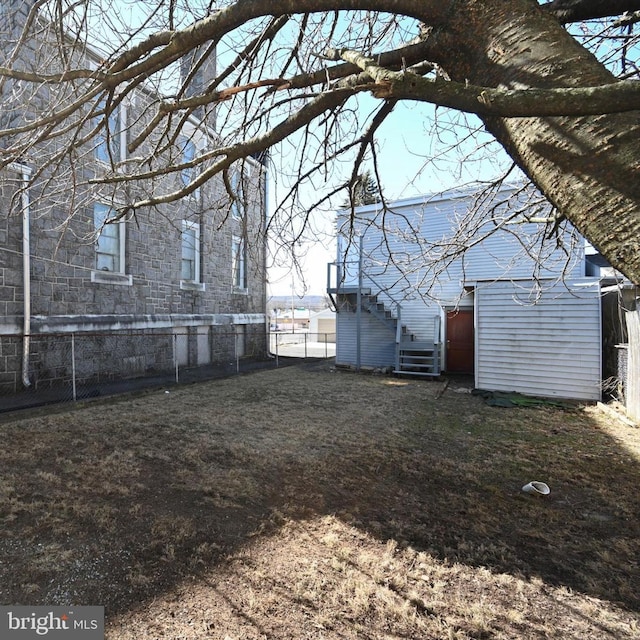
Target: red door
460 341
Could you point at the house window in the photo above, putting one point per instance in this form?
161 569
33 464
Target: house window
110 140
188 149
238 261
192 73
110 240
237 189
190 251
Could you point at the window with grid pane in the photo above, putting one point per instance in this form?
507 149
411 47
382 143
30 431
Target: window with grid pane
109 240
238 260
190 269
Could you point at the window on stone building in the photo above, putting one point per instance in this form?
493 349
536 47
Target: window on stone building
239 263
190 251
237 187
188 150
192 73
110 140
110 239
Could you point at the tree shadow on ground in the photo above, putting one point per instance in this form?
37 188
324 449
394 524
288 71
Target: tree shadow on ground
118 502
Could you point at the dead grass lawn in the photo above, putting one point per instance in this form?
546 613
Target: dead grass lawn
309 503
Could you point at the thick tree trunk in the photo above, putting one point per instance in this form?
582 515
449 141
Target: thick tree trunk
589 167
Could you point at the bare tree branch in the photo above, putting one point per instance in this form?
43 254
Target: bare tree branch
577 10
562 104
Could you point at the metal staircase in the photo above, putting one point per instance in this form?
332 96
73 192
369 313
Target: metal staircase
413 357
417 357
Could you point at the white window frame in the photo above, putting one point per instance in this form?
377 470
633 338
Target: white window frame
118 276
191 133
195 284
238 209
239 264
101 148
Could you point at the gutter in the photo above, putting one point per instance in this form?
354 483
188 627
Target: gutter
25 173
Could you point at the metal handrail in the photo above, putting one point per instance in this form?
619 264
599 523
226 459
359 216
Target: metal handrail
337 288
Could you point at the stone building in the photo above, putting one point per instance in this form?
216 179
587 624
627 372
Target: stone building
85 293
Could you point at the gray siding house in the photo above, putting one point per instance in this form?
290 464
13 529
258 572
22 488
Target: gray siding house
452 283
179 284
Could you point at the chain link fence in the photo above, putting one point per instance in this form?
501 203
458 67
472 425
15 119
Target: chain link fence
69 367
302 344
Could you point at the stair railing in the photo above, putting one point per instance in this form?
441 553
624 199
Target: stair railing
340 269
338 285
394 305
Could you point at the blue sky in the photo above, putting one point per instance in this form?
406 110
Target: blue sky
414 159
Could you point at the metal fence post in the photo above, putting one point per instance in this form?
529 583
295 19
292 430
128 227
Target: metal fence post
326 348
73 367
175 354
359 303
305 346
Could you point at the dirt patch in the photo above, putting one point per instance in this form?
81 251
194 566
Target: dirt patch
310 503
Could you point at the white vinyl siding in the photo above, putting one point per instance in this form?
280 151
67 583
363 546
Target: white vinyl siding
551 348
424 289
401 255
377 343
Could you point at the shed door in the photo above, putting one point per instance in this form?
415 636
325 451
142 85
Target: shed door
460 341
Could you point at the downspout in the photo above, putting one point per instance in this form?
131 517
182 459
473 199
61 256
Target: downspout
359 307
25 173
265 224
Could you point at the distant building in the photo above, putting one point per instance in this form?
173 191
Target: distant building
288 320
323 324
